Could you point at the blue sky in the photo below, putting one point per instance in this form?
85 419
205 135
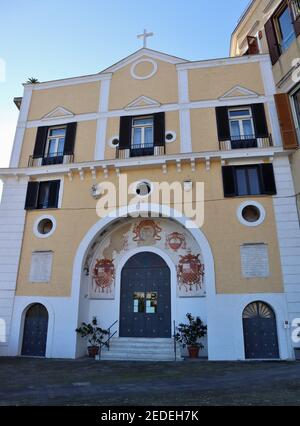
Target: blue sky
66 38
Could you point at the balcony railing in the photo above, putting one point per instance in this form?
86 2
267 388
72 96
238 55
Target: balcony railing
138 151
49 160
246 142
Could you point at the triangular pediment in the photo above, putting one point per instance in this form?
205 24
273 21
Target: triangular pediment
238 92
144 54
58 112
143 102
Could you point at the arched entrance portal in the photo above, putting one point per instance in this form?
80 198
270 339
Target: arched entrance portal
35 331
145 304
260 332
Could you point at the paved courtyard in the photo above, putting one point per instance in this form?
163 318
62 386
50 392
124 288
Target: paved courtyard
87 382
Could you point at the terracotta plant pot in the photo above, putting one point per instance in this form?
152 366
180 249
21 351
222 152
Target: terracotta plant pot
93 351
194 351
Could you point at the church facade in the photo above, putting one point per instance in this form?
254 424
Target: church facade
88 228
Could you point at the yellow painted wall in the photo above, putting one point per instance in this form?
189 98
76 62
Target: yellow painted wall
162 87
84 145
204 130
224 232
79 99
212 83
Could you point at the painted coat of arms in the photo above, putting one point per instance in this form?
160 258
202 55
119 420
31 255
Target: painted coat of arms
176 241
103 278
147 230
190 274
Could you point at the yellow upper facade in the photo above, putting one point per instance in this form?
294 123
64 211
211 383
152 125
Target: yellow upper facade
145 83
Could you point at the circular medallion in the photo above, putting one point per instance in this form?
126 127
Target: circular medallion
143 69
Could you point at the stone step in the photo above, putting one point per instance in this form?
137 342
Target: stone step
135 349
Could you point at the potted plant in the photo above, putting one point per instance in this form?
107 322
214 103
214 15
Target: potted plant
190 334
94 334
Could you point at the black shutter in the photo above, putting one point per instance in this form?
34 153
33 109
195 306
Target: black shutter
70 139
260 121
223 123
53 194
273 44
125 132
159 129
229 185
32 195
40 142
268 179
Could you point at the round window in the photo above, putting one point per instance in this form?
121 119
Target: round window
44 226
115 142
170 136
143 189
251 214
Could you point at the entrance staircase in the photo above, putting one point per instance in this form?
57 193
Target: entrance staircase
140 349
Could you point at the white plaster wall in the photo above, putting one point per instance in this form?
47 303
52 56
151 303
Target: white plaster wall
225 325
288 236
12 220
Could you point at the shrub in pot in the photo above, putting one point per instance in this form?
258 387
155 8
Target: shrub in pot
190 334
93 334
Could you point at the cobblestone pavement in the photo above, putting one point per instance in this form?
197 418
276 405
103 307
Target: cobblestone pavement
25 381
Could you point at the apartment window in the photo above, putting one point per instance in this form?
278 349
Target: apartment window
296 100
55 142
257 179
142 132
285 28
241 124
247 180
42 195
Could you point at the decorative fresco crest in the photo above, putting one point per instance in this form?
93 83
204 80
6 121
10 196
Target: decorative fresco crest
146 230
190 273
103 276
176 241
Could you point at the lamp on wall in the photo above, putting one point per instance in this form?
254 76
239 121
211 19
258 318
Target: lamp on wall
86 271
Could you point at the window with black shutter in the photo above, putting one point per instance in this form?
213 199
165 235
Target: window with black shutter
42 195
257 179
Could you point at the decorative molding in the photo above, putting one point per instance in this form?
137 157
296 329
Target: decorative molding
58 112
183 87
269 6
141 61
151 110
21 126
142 102
69 81
212 63
142 53
251 31
242 90
185 131
61 169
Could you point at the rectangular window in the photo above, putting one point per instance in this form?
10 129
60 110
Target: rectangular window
258 179
145 303
247 179
285 28
42 195
142 132
55 142
241 124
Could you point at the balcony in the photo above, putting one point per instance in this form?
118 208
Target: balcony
246 142
138 151
49 160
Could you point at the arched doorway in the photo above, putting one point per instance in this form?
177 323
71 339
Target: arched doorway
35 331
145 303
260 332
